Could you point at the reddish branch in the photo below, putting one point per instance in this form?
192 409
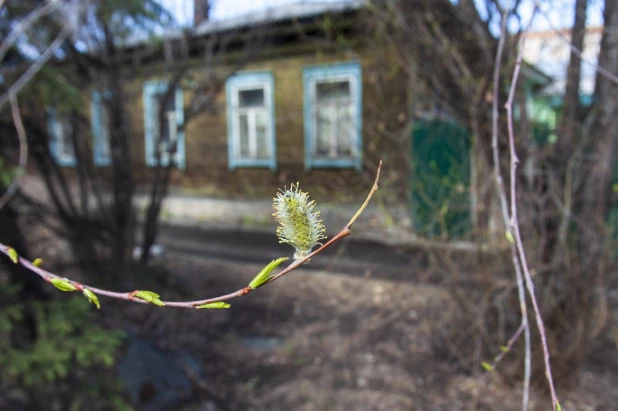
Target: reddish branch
130 296
514 223
521 293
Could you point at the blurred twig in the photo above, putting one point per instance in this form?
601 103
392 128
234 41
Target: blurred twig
23 152
514 224
505 214
25 24
37 65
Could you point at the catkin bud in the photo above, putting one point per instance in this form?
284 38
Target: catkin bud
299 224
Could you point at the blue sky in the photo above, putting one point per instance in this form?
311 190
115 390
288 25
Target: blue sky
560 12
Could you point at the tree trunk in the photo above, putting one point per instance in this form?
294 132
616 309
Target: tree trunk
597 192
569 119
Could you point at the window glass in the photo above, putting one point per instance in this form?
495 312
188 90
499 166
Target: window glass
244 135
334 91
253 123
251 98
250 113
105 132
167 127
334 118
261 133
64 134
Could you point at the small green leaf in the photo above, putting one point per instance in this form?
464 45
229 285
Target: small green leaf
504 348
38 262
219 304
263 275
13 255
509 237
158 302
487 366
149 296
63 284
92 297
558 406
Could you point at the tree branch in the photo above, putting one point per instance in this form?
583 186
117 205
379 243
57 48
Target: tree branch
37 65
514 224
505 214
25 24
23 152
134 296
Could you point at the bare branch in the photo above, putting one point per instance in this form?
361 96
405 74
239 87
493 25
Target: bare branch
25 24
514 224
505 214
130 296
37 65
23 152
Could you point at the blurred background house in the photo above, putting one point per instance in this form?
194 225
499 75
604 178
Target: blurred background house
549 51
293 93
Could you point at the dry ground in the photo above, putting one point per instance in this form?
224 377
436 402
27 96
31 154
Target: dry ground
347 343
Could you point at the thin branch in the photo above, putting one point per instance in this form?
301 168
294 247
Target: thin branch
514 224
37 65
505 350
505 214
25 24
23 152
130 296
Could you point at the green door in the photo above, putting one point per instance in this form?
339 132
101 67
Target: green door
440 179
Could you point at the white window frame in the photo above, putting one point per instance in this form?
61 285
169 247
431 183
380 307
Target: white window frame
235 85
333 143
153 89
252 113
336 72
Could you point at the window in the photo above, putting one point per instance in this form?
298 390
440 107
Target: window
166 137
101 129
60 128
333 106
251 121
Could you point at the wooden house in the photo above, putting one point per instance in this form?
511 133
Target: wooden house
311 102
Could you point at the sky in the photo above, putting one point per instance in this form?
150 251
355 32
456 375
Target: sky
560 13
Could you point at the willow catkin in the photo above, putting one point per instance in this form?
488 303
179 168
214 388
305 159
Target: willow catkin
299 225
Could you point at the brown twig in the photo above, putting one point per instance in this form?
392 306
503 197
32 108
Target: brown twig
506 349
514 224
26 24
23 152
37 65
130 296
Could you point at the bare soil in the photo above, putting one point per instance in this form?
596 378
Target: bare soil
339 342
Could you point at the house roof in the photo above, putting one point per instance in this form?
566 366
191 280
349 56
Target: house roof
300 10
279 15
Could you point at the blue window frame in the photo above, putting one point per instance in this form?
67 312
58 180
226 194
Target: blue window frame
101 129
172 133
251 120
60 129
333 116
